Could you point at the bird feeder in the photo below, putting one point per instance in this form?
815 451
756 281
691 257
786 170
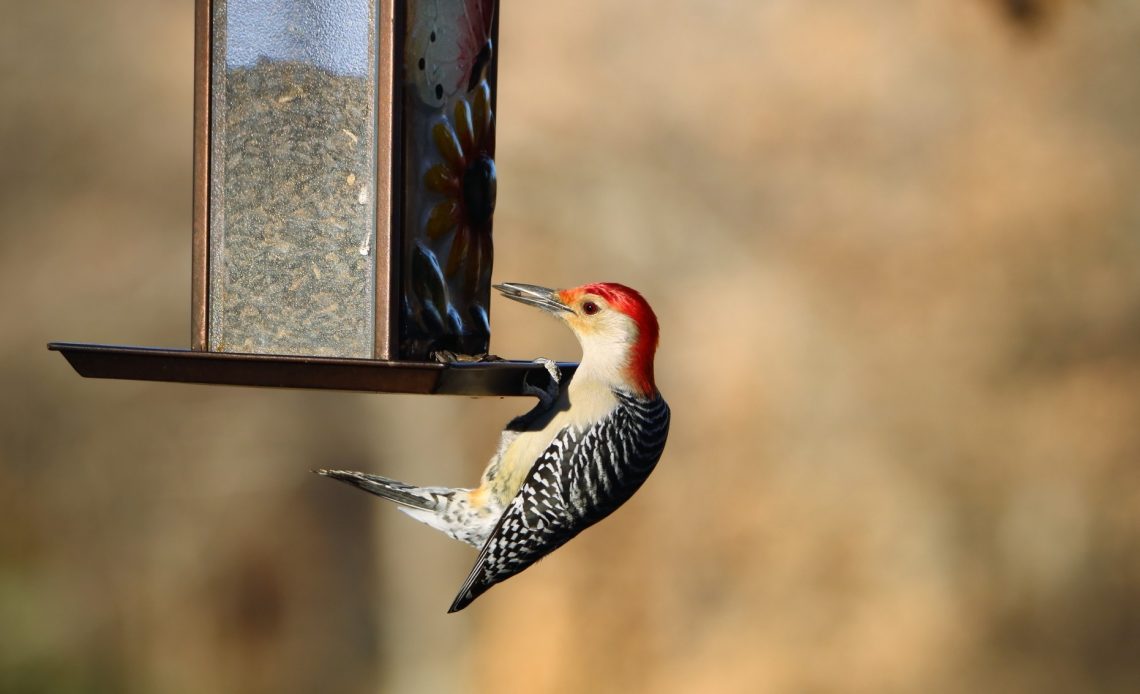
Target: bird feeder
344 189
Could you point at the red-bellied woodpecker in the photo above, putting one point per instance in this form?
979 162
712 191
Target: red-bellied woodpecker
571 461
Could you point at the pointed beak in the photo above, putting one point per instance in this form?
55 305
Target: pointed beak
546 299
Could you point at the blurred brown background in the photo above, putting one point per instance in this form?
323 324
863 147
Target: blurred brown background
895 250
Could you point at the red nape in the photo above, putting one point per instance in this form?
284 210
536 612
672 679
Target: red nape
630 302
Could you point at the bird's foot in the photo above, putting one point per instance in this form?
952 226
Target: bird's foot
546 395
551 367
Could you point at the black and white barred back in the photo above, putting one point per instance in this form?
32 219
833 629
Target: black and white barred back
583 476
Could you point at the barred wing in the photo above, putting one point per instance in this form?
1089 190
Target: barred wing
582 477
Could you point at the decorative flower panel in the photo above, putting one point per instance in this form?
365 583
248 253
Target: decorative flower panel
449 176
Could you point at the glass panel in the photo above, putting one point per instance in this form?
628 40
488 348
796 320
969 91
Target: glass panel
292 190
449 167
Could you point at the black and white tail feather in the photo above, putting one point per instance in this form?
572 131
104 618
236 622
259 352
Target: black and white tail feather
447 509
393 490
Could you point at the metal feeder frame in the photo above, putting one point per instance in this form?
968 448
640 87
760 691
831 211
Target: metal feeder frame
394 367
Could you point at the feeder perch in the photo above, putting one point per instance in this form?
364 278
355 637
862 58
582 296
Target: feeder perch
344 189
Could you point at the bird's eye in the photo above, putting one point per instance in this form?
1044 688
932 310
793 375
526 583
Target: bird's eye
589 308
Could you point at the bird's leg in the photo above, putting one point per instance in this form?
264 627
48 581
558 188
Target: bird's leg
547 395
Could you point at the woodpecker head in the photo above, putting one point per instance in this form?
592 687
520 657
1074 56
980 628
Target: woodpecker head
614 324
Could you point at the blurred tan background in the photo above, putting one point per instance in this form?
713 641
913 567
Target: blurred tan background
895 250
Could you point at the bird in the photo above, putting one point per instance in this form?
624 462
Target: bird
569 462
